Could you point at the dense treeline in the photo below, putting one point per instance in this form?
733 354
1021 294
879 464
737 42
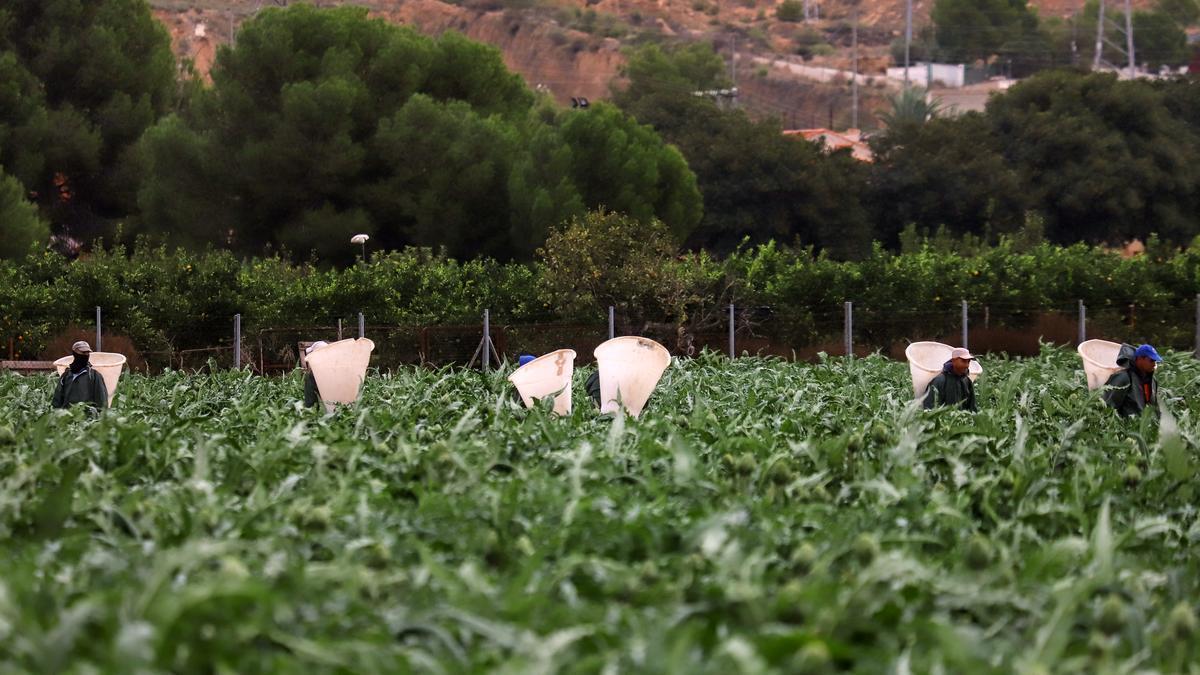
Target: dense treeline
166 298
318 124
1010 37
1095 159
322 123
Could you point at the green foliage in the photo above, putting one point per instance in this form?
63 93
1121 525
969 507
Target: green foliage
944 172
324 123
166 299
1160 40
911 108
756 182
790 11
79 82
761 516
608 259
20 226
1183 12
1104 160
921 48
811 42
625 166
968 30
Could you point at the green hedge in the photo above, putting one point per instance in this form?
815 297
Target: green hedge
173 299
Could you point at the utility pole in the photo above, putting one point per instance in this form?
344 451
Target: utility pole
908 36
854 80
733 61
1099 38
1074 40
1129 39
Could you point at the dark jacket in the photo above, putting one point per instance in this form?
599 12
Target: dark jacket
85 387
951 389
593 386
312 397
1124 390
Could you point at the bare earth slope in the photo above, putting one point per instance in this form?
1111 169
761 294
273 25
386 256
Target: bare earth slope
574 47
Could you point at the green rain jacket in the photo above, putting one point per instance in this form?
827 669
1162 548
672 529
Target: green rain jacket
951 389
85 387
1125 391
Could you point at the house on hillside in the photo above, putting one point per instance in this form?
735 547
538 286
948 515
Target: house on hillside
837 140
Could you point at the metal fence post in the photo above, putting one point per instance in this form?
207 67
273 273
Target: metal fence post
848 327
732 346
612 323
362 326
237 341
965 331
487 341
99 335
1082 322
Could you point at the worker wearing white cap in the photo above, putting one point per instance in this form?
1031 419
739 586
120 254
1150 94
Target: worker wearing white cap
312 396
80 383
953 386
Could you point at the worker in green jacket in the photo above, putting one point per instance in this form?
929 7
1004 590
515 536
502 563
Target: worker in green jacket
953 386
312 396
1131 390
80 383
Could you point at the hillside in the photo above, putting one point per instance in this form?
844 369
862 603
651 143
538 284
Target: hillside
574 47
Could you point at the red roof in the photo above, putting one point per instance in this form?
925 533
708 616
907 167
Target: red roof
837 140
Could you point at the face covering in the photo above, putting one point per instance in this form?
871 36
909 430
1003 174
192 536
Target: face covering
79 364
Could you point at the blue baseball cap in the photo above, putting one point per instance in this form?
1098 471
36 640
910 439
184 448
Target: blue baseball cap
525 358
1148 352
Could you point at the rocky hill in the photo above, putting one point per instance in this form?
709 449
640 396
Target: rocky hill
574 47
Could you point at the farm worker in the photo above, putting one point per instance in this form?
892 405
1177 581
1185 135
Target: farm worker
592 386
953 386
312 397
521 361
1130 390
80 383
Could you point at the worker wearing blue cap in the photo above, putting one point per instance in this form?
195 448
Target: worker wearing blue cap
1130 390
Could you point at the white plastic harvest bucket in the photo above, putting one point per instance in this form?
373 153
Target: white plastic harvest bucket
1099 361
630 368
926 360
108 364
547 375
340 368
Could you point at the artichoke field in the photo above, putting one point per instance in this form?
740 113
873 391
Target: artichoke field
761 516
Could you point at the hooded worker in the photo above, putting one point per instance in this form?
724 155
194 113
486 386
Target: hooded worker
312 395
80 383
1130 390
953 386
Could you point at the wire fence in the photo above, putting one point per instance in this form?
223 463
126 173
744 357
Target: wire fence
209 343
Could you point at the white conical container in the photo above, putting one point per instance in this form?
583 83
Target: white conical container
926 360
340 369
547 375
1099 361
108 364
630 368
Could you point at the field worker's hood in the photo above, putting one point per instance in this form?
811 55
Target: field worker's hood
1125 356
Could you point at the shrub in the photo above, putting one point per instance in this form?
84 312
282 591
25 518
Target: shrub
790 10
